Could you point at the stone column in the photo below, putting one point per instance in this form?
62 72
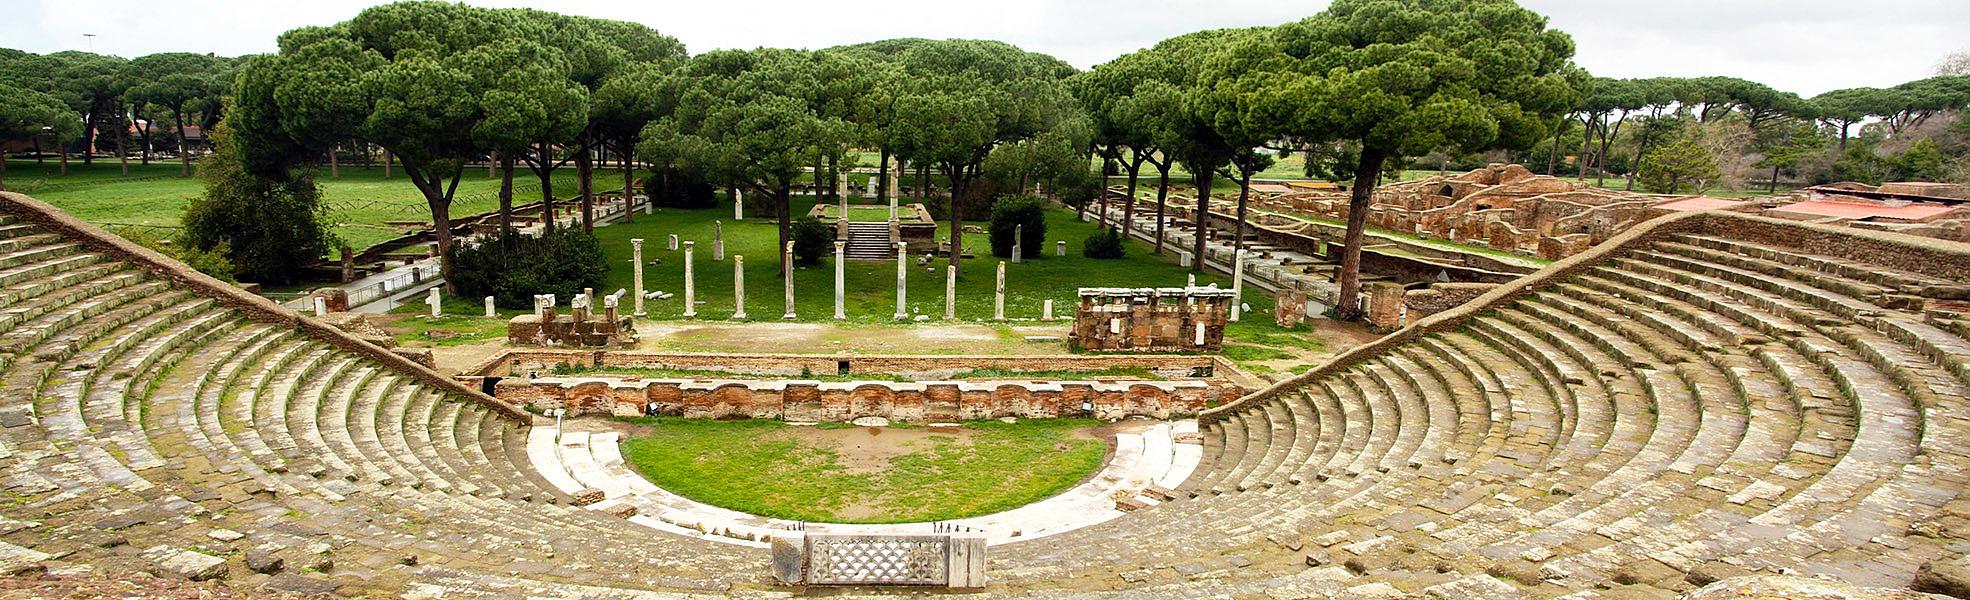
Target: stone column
1060 248
437 304
786 277
738 204
841 260
1018 241
348 264
1190 280
1237 283
636 257
999 294
950 293
738 287
492 310
718 240
871 187
671 244
1046 312
321 306
902 278
690 284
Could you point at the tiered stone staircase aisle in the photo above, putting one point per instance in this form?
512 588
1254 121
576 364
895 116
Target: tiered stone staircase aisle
869 240
1706 396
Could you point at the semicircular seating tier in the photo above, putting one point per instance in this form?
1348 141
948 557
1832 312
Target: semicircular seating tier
1704 396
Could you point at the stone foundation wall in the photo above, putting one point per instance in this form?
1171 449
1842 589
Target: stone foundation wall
928 401
1150 320
518 362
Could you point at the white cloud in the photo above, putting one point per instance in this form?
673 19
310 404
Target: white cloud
1807 46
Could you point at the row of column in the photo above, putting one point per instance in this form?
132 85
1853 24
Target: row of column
786 277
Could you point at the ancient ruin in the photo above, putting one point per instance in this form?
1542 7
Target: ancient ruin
1703 396
1186 319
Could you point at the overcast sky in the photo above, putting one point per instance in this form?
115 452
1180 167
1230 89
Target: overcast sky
1805 46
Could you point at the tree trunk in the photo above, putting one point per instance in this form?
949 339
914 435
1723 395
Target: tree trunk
958 185
1162 198
89 140
1553 156
1128 206
122 158
1774 188
1347 305
37 152
1202 218
820 191
785 207
387 159
834 183
64 160
184 149
585 187
334 164
505 196
628 187
882 178
3 174
1244 193
1586 142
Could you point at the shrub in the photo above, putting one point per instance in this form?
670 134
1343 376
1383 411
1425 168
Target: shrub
1008 215
679 189
1105 244
512 268
812 240
266 226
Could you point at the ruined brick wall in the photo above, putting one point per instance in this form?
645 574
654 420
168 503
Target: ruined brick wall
1150 320
1441 297
843 401
578 330
516 362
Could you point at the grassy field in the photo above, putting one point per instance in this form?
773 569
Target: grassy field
811 474
871 285
361 203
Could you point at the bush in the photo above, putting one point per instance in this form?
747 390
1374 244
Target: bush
512 268
1105 244
266 226
679 189
1008 215
812 240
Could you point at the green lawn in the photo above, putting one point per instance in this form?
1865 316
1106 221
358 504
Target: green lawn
361 203
776 470
871 285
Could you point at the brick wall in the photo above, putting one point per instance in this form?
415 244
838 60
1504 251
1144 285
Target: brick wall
841 401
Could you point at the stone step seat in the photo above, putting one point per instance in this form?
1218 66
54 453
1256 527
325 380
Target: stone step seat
39 254
1876 274
270 385
1565 382
68 286
1540 425
391 431
269 409
78 316
23 241
1257 427
1638 489
1229 452
1831 475
1891 333
1277 425
1411 418
60 399
53 266
1307 432
419 418
1598 381
1776 414
118 408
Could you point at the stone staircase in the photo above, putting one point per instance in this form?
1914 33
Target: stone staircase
869 240
1707 396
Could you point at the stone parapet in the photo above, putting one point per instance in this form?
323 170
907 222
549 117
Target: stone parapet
920 401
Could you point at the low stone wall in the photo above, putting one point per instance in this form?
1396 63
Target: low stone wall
931 401
518 362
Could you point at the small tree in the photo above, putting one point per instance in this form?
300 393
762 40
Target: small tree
1009 215
560 262
812 240
1105 244
267 224
1684 163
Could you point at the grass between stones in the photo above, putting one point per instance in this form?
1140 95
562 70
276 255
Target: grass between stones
863 475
